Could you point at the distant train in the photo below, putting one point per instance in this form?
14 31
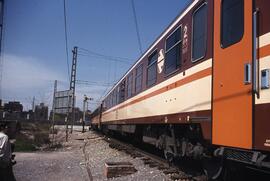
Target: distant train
202 88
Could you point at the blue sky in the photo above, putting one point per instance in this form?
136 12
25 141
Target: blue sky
34 44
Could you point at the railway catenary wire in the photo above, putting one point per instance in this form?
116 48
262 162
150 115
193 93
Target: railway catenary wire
66 37
90 53
104 58
91 83
137 26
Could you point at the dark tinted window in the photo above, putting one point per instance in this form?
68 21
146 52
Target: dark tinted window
121 92
173 53
138 79
118 94
129 85
114 97
108 102
232 22
199 33
173 39
152 69
111 100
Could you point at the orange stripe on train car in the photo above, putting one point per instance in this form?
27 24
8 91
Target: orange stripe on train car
264 51
199 75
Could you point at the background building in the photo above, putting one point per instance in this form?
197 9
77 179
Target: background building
41 112
13 107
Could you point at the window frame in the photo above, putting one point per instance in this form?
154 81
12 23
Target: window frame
131 93
221 27
122 87
110 100
192 34
136 76
114 97
154 51
165 51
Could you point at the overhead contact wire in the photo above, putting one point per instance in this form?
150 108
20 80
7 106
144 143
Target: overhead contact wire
136 25
66 38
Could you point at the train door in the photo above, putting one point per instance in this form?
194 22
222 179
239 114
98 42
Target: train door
232 70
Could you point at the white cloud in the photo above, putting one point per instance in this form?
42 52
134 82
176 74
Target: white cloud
27 73
25 77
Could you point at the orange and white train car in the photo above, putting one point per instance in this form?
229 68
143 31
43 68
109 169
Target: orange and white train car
204 83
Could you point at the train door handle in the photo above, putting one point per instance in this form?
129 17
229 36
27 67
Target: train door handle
247 74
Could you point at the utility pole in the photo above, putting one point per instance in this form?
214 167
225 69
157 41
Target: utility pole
33 104
85 104
53 109
73 83
83 121
33 108
2 3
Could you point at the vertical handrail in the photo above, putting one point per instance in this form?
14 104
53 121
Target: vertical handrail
254 54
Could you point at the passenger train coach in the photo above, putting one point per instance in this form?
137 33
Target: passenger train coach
202 88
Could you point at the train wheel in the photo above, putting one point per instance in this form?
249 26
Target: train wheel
169 156
213 168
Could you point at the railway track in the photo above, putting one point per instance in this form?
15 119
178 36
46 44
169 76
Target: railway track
152 160
86 158
187 170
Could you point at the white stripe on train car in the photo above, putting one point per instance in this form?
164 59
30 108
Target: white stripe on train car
199 67
193 96
264 40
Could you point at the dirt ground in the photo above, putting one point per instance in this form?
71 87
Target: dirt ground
83 157
63 163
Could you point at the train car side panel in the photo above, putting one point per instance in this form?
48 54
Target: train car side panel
232 84
262 102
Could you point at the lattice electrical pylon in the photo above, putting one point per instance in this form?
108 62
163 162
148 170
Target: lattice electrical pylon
73 83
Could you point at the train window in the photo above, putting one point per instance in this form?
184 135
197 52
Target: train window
105 105
107 102
152 69
116 95
121 92
110 100
129 85
113 98
199 35
232 22
172 54
138 79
